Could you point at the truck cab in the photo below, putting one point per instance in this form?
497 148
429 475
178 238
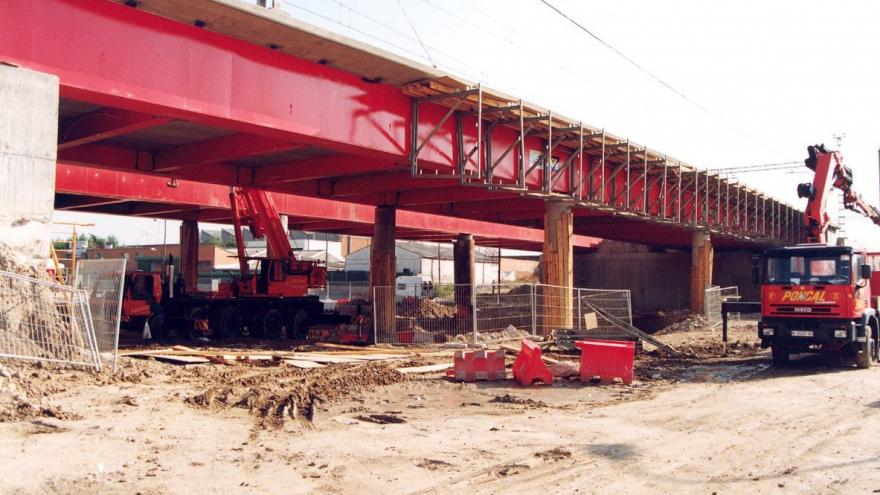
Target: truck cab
817 298
139 289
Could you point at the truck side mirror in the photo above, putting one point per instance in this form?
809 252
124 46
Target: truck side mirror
866 272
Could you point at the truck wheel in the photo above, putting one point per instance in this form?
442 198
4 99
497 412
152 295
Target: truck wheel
229 322
270 324
864 352
780 354
298 328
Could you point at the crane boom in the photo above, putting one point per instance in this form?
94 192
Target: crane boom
256 209
830 173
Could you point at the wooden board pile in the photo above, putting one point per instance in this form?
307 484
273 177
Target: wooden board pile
337 354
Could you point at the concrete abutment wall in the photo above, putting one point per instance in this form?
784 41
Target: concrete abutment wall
28 148
658 278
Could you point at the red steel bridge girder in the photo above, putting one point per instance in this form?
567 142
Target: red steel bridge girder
106 191
137 63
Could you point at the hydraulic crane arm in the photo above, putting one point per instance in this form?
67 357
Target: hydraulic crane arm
830 173
256 209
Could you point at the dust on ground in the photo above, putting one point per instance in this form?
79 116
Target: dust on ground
691 334
160 428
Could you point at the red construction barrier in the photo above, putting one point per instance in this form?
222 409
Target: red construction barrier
470 366
606 359
529 367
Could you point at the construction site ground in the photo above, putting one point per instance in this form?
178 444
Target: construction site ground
714 423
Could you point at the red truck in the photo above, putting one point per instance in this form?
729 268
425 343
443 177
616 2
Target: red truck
816 297
267 302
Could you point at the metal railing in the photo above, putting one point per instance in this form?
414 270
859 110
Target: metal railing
493 312
343 291
104 281
41 320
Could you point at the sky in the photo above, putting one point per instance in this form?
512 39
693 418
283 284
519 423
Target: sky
740 83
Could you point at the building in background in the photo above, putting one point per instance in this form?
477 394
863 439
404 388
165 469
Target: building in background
432 260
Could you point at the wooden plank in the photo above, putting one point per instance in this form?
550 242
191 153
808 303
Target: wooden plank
327 359
176 359
515 351
145 352
303 364
426 369
328 345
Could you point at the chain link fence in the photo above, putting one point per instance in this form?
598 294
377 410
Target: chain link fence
495 312
42 320
103 280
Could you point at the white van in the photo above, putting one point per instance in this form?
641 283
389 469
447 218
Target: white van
420 286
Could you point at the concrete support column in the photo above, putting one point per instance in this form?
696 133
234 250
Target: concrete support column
189 254
701 269
464 270
557 267
383 269
28 147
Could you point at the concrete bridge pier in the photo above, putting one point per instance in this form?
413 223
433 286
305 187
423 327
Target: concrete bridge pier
28 147
464 269
702 255
383 268
557 267
189 254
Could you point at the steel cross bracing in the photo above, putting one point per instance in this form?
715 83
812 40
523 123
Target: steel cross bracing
602 170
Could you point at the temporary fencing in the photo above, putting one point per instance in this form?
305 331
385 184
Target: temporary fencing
104 280
42 320
713 298
603 303
343 291
450 312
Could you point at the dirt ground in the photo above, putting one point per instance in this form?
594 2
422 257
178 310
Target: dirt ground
715 423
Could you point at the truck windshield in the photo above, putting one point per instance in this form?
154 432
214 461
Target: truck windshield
142 288
809 269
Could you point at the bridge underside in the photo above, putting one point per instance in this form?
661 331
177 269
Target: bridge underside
92 190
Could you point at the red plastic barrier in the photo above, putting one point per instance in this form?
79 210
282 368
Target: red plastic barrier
470 366
529 367
606 359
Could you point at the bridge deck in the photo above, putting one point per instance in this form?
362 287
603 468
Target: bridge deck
148 94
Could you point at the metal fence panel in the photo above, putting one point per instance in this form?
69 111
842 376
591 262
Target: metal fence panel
416 315
448 313
104 280
343 291
616 303
714 296
42 320
502 306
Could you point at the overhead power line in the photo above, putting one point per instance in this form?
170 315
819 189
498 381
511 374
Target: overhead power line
640 67
763 167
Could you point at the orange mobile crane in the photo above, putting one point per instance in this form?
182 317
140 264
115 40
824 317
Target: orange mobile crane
816 297
264 303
